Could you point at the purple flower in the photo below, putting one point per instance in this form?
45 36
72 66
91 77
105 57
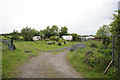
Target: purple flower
105 47
110 47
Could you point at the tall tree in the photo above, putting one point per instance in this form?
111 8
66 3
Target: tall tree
41 33
63 31
103 31
115 30
47 32
54 30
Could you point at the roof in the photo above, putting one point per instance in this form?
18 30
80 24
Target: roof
67 37
90 37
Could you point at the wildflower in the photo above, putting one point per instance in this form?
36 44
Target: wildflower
105 47
110 47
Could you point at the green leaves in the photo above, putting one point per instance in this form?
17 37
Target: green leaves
27 33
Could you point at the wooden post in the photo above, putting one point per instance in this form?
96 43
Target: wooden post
108 67
118 38
113 48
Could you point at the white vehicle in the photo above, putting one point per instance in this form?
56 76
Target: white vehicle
67 37
36 38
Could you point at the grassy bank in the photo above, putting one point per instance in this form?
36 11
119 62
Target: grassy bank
12 59
92 61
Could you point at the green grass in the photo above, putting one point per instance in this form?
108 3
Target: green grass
12 59
76 58
85 71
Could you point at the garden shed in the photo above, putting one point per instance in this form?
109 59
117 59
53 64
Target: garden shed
36 38
67 37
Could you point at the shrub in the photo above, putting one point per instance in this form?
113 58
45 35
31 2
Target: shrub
59 43
64 42
21 38
53 42
49 42
54 38
27 33
93 45
47 39
112 71
15 37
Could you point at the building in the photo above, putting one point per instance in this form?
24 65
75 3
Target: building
82 38
67 37
89 38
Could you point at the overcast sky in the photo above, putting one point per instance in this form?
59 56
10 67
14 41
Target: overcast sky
80 16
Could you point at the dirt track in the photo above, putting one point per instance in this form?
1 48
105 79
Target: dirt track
48 65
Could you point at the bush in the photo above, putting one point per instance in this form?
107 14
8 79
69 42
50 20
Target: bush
93 45
27 33
54 38
49 42
15 37
21 38
59 43
47 39
53 42
112 71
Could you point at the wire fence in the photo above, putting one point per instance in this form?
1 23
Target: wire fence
116 51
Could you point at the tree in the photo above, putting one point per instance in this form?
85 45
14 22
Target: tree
104 33
47 32
27 33
36 33
15 35
54 30
75 37
63 31
115 30
41 33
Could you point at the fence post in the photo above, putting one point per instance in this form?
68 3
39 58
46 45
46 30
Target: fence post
118 38
113 48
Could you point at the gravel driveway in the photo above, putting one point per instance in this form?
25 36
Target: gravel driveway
48 65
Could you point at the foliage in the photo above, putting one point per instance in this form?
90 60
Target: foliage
59 43
54 38
93 45
42 35
115 29
36 33
47 32
49 42
54 30
76 37
94 60
104 33
27 33
63 31
47 39
15 35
